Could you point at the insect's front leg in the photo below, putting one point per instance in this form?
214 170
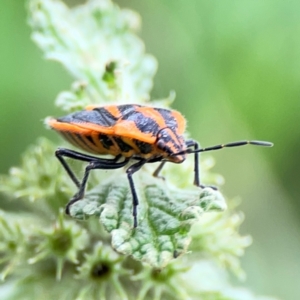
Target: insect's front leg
195 145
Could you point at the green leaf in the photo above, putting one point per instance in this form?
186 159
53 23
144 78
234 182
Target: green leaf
165 216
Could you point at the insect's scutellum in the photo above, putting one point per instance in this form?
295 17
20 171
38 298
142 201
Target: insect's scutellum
143 134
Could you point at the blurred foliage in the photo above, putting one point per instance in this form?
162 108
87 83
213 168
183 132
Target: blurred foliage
98 45
235 68
244 55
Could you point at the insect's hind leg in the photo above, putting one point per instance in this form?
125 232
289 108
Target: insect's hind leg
195 145
135 202
94 163
60 153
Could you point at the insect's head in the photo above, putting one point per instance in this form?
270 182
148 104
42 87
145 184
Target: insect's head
169 143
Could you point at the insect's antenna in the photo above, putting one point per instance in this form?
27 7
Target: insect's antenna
233 144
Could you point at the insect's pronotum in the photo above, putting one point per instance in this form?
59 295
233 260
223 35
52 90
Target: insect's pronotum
142 134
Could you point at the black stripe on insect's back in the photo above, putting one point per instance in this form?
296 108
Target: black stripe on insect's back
127 110
169 119
87 116
143 123
107 117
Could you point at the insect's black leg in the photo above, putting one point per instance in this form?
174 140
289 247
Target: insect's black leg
192 143
62 152
103 164
158 169
135 202
195 145
94 163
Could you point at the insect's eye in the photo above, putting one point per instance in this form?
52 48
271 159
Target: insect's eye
161 145
163 134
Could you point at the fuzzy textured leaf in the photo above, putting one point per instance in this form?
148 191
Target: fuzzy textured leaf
165 216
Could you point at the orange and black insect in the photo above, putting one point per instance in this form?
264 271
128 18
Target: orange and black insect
131 132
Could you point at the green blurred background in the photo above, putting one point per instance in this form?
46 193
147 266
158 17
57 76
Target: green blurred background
235 67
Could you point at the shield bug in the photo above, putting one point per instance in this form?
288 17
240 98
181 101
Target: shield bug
131 132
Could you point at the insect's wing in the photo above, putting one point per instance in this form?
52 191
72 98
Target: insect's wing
131 121
144 123
138 124
96 120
